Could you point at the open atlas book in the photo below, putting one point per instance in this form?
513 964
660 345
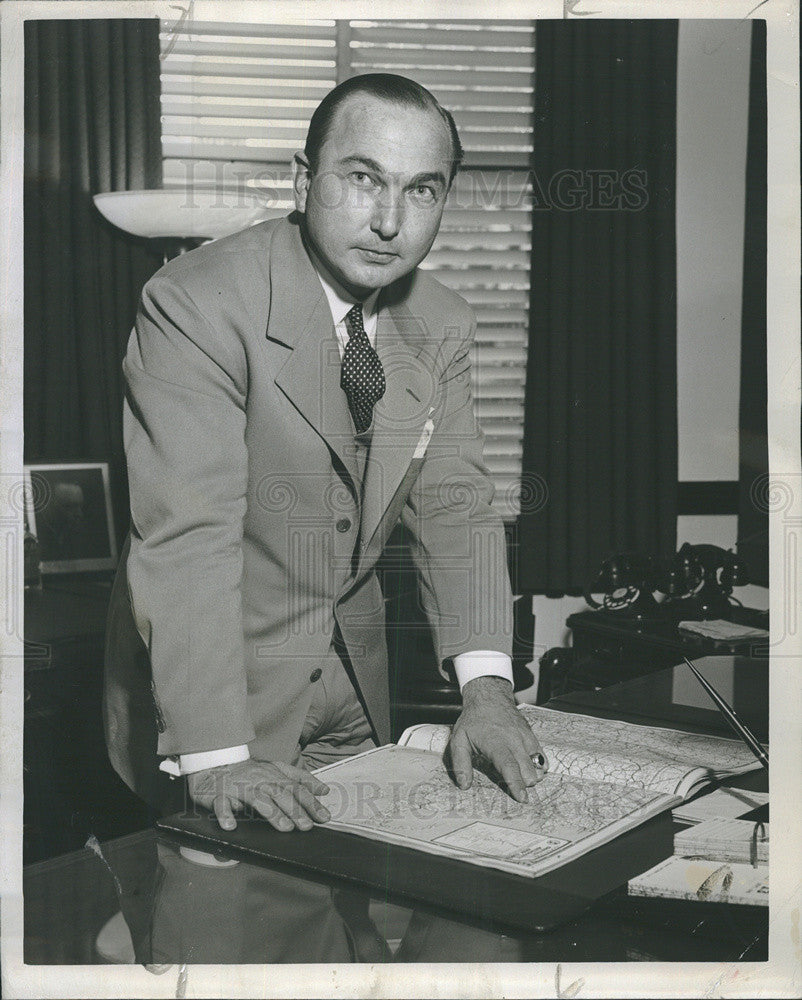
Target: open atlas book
605 777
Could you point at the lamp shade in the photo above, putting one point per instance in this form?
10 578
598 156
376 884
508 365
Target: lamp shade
184 214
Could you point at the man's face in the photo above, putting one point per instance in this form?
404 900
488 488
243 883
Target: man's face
374 204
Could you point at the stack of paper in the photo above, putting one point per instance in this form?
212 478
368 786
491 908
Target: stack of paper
720 839
719 859
722 631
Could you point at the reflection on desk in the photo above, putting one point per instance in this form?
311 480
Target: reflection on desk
175 910
674 697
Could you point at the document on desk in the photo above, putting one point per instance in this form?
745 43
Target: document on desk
704 882
605 778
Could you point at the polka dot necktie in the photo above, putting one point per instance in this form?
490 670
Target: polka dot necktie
362 376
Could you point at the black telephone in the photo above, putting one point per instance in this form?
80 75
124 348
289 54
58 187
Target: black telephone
698 581
627 581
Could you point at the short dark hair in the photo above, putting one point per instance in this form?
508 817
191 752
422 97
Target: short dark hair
388 87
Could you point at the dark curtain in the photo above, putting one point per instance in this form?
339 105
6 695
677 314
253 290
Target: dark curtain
753 517
600 436
91 125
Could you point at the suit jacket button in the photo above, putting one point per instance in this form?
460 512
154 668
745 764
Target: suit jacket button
343 524
316 675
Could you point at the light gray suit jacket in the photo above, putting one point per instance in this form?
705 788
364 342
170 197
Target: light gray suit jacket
252 533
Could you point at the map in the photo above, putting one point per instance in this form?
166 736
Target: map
665 760
405 795
604 777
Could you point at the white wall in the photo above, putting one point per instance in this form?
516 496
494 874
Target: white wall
712 119
712 122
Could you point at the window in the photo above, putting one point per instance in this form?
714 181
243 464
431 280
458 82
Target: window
236 101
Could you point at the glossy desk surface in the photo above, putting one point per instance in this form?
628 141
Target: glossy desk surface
145 898
674 697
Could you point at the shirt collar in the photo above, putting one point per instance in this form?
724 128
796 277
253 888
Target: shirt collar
340 301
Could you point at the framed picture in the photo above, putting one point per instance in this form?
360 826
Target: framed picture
68 508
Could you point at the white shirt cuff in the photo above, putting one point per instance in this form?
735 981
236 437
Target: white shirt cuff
188 763
482 663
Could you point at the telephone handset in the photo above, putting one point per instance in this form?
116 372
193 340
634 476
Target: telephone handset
700 578
627 581
697 582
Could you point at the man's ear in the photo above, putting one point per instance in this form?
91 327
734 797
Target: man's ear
301 178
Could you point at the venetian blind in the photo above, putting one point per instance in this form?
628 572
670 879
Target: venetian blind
236 101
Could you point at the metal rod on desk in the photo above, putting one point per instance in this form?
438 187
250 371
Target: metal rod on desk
743 731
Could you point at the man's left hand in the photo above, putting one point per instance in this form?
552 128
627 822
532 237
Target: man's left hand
492 727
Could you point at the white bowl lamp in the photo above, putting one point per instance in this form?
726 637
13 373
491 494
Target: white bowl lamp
183 218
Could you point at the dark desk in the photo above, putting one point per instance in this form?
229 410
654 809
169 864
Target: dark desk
148 902
610 647
69 786
63 613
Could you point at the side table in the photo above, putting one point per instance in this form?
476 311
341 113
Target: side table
609 647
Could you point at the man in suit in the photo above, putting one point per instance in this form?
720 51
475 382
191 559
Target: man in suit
293 391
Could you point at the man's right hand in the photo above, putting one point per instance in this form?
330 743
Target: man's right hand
285 795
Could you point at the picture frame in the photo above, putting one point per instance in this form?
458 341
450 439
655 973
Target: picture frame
68 509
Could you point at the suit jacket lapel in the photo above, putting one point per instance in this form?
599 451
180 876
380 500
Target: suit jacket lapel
300 318
400 415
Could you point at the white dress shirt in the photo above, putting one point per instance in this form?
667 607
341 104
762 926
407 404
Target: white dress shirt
467 666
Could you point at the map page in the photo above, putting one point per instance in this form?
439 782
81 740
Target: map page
405 796
732 802
664 760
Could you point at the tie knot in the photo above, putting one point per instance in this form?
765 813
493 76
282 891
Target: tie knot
354 322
